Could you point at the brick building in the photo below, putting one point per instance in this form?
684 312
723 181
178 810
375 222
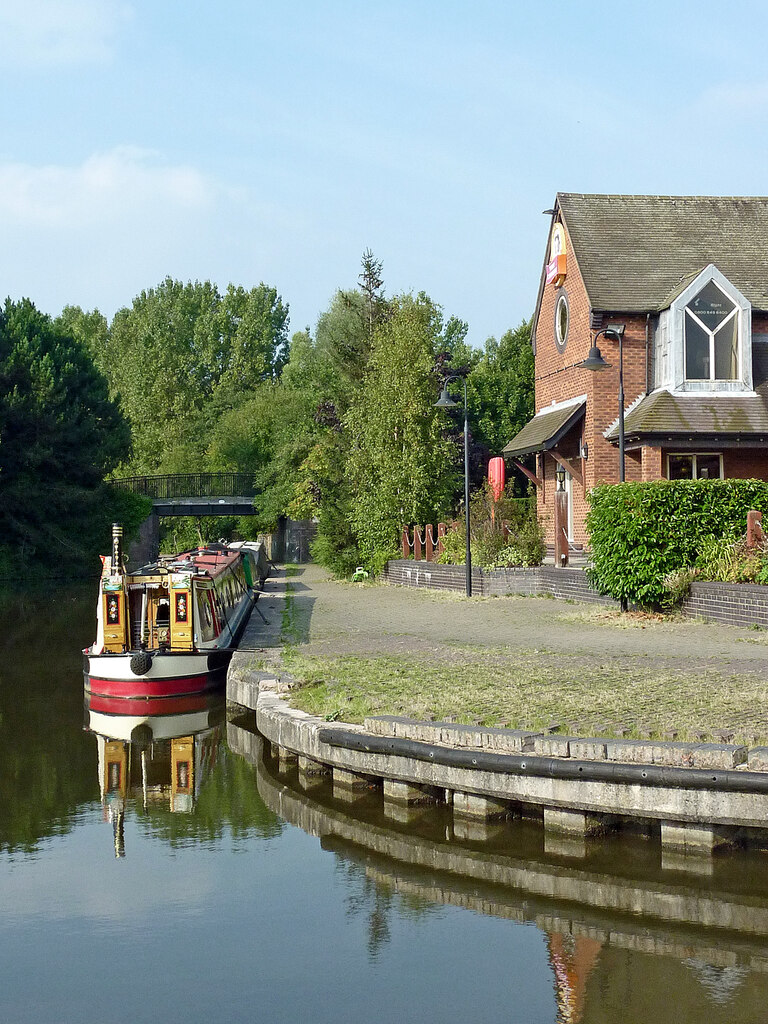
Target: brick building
687 279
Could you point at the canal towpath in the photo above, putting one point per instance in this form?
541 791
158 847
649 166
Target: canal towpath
357 649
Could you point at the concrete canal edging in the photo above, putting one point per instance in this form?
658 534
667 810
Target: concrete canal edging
629 911
697 796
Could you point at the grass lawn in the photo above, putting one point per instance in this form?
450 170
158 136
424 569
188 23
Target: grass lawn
530 689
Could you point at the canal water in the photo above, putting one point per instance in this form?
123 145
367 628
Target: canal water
170 871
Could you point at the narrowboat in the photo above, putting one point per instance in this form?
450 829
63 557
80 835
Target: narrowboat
169 628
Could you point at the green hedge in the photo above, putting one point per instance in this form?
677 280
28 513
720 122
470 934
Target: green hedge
641 532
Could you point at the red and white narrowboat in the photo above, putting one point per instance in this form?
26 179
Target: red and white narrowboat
170 627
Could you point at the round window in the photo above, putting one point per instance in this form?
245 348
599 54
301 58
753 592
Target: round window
562 317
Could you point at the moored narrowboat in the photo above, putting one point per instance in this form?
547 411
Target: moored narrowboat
169 628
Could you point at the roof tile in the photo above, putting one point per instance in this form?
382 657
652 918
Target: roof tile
634 252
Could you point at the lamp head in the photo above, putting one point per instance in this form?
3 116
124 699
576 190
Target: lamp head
445 401
594 360
614 331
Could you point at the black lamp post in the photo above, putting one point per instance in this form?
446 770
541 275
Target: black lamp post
446 402
595 361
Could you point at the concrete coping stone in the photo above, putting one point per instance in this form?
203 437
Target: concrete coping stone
758 759
453 734
677 754
672 753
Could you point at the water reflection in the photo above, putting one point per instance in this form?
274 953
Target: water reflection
625 937
155 752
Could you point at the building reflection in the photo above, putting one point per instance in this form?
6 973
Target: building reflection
572 958
155 752
626 937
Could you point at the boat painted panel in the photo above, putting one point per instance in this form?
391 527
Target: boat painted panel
144 707
141 686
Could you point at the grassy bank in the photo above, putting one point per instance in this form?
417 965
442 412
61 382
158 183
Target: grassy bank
357 650
531 689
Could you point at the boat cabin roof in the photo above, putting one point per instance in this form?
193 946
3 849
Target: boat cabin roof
211 561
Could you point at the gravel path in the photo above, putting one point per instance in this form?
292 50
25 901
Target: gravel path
343 618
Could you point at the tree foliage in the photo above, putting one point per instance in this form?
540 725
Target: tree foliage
500 389
178 349
400 459
339 427
59 435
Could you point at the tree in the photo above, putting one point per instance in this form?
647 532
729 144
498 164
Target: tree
179 348
90 329
500 388
399 465
59 435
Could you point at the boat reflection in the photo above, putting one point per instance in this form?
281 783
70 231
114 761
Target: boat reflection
156 752
624 930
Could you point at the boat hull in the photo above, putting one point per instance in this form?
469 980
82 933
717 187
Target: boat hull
170 674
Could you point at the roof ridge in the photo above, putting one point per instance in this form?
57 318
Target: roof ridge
631 195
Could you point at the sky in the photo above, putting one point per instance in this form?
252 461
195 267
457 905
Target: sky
243 141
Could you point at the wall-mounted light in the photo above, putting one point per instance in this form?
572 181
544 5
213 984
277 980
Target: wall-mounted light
560 474
584 451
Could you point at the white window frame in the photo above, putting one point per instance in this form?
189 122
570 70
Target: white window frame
669 356
695 456
736 312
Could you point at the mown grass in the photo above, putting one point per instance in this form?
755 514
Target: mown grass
532 689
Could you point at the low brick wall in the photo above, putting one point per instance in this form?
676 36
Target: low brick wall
566 584
735 604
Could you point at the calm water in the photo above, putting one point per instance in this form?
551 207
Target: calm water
178 876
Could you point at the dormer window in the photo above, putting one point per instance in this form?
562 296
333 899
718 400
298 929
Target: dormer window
711 336
703 340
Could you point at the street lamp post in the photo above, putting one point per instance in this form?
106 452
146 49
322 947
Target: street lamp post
446 402
595 362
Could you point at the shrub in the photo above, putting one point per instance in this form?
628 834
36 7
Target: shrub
490 548
640 533
729 562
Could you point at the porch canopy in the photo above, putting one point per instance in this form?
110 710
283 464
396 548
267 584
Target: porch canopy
547 428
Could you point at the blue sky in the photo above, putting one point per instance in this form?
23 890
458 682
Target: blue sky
245 141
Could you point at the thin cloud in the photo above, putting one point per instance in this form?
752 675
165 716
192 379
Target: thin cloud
56 33
110 187
738 100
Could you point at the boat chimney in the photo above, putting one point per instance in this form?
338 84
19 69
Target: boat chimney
117 548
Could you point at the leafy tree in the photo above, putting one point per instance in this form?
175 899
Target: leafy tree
180 347
500 388
400 459
90 329
59 435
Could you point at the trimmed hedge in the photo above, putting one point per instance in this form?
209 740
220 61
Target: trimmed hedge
641 532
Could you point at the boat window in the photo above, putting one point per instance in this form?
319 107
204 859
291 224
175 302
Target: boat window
163 617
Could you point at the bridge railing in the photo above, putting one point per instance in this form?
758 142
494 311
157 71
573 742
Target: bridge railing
189 485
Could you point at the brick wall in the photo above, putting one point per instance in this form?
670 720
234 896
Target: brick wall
745 463
734 604
653 464
565 584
